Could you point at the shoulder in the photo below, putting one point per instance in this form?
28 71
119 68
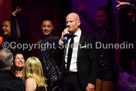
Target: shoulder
55 37
30 84
88 36
31 80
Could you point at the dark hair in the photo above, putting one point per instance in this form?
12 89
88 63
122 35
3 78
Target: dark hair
18 52
103 8
8 20
48 19
13 66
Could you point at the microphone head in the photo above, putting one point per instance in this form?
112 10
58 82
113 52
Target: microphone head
66 36
67 28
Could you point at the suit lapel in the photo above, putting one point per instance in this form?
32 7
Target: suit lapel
82 38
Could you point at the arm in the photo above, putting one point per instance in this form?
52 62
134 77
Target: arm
30 84
14 26
88 18
59 46
93 54
122 5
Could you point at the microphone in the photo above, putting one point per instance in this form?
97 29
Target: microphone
66 35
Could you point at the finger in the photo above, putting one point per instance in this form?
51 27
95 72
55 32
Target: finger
117 6
117 1
17 8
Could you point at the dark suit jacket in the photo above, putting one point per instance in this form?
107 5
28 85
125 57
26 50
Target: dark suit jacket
87 63
8 82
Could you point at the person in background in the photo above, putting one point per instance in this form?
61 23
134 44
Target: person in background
9 29
18 64
104 26
50 68
8 81
33 76
127 11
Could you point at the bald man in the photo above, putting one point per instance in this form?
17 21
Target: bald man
78 74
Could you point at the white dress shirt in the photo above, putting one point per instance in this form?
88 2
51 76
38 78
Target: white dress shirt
73 63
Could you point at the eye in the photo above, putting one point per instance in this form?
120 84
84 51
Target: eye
17 58
49 26
43 25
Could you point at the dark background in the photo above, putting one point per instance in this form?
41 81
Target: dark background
32 14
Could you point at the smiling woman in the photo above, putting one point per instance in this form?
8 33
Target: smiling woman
18 64
10 32
6 27
50 68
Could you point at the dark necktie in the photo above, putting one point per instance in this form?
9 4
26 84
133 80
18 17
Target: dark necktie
70 49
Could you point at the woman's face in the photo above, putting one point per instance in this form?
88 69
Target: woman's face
101 18
19 61
47 27
6 28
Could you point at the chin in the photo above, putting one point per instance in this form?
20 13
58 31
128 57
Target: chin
5 33
46 34
20 67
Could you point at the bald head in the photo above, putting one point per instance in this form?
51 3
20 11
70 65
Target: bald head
73 22
74 15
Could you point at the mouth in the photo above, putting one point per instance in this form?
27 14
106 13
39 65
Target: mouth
20 63
45 31
4 31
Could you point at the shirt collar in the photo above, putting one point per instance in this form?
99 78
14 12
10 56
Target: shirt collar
78 33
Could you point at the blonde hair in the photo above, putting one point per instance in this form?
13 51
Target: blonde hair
33 69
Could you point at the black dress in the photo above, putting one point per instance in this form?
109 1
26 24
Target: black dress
50 68
40 88
108 68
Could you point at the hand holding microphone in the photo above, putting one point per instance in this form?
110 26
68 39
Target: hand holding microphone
64 34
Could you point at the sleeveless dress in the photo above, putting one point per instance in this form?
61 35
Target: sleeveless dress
40 88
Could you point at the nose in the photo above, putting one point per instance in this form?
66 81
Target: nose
67 24
46 28
3 27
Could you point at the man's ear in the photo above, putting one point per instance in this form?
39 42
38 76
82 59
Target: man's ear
12 64
79 23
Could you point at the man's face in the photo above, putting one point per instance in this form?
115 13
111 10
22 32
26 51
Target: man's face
47 27
73 22
6 27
